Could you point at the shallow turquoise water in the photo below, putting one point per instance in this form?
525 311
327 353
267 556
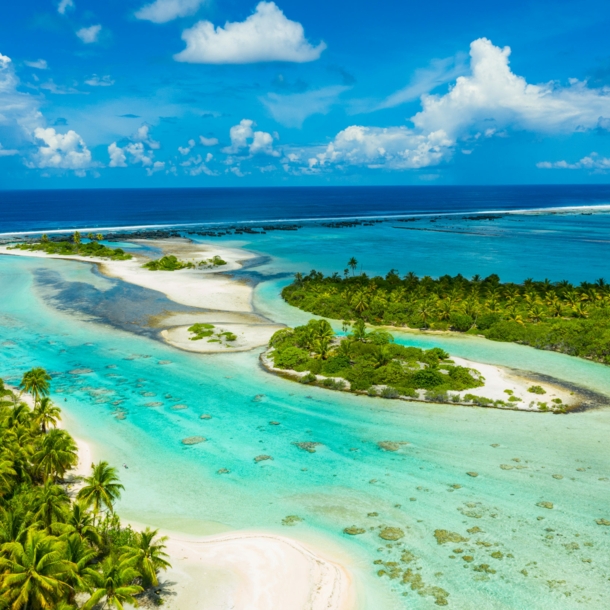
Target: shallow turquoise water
564 554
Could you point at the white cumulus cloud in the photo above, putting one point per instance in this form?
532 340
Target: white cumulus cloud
139 150
591 162
488 102
117 155
90 34
162 11
185 150
391 147
493 93
64 5
244 137
266 35
292 110
62 151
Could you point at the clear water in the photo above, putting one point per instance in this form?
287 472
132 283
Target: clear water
551 558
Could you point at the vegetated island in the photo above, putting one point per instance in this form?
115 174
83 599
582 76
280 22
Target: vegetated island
60 548
371 363
172 263
75 247
556 316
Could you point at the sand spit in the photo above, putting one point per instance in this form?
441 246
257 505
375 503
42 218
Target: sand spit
228 301
252 571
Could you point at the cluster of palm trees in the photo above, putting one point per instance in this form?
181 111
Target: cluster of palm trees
59 549
443 302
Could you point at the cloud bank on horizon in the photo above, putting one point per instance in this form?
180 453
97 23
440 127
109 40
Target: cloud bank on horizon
264 96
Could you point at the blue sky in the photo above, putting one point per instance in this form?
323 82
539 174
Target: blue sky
137 93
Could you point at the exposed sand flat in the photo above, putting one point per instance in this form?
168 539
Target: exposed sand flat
202 288
208 317
253 571
249 336
228 301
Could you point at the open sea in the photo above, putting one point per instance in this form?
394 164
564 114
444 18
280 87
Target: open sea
524 556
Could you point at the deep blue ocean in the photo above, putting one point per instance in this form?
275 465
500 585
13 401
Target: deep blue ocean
62 209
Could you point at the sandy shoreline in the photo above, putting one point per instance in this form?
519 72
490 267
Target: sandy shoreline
227 301
249 570
497 380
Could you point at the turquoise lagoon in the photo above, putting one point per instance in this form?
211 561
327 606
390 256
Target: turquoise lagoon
543 558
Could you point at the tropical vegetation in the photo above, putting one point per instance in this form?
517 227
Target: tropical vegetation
60 549
367 361
549 315
201 330
168 263
173 263
75 246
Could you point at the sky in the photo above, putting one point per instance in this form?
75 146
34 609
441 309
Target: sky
195 93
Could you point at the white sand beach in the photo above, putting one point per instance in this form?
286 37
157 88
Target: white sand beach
253 571
228 301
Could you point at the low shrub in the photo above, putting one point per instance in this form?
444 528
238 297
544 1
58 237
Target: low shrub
389 392
536 389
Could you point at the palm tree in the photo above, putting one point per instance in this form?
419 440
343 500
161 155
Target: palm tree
79 555
57 454
321 347
8 474
50 504
76 238
79 522
14 525
102 488
360 302
382 357
46 413
580 310
36 383
536 312
33 574
359 330
425 309
114 582
150 556
352 263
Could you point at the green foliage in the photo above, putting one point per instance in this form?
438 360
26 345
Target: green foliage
200 331
55 551
366 359
536 389
168 263
546 315
461 322
74 248
290 358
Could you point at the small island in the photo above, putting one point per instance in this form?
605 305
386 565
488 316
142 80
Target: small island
173 263
556 316
371 363
75 247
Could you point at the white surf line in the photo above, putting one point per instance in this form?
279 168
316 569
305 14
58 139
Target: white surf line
223 223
